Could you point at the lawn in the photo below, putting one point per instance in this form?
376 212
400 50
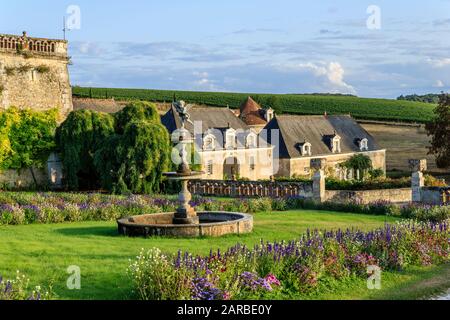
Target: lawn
43 252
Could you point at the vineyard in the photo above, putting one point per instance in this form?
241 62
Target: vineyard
360 108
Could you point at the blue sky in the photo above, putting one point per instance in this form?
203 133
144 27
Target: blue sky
282 46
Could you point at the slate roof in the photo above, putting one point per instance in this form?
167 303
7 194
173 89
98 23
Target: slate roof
318 130
211 118
252 113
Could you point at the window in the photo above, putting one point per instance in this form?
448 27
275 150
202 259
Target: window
336 144
252 163
364 145
210 168
269 114
306 149
209 143
251 141
230 142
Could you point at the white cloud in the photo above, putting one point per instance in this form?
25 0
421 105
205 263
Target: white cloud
200 74
439 84
332 74
439 63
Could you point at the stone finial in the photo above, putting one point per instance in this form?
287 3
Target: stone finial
319 163
418 165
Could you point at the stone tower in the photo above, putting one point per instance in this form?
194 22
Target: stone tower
34 74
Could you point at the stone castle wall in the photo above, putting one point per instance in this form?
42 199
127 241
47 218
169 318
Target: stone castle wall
34 74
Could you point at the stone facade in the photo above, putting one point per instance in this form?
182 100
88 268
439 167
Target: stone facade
249 163
34 74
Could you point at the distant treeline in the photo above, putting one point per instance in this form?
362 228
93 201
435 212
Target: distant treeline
427 98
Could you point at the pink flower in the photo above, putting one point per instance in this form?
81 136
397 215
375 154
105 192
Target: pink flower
272 279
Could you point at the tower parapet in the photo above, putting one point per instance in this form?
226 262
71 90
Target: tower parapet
39 46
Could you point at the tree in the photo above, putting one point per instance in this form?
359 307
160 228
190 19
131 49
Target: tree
360 163
26 138
135 156
137 110
78 138
439 130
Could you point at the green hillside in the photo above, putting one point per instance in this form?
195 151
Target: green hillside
361 108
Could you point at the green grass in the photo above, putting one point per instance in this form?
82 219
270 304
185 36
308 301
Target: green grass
43 252
361 108
411 284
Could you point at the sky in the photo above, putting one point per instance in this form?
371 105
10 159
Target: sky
367 48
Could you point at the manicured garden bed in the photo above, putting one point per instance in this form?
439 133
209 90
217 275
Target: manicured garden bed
17 208
44 251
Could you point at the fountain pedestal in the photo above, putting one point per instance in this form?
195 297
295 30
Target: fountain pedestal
185 214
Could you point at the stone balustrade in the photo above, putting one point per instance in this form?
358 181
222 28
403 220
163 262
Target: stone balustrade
251 188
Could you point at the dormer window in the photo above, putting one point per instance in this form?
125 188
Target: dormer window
306 149
209 142
251 140
269 114
230 139
364 144
336 143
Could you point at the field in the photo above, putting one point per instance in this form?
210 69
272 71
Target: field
403 143
43 252
360 108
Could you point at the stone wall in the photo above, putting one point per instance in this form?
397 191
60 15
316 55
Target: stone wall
403 195
13 179
35 79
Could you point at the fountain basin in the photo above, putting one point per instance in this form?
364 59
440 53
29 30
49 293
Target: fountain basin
212 224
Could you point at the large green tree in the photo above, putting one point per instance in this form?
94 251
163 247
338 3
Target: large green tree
439 130
134 161
78 138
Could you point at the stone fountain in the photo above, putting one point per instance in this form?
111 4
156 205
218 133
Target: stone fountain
185 222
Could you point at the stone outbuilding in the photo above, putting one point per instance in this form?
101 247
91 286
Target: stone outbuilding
334 138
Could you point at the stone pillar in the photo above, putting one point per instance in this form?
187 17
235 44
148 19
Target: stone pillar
319 166
417 179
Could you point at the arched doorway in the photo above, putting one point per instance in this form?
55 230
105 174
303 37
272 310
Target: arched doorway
231 168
